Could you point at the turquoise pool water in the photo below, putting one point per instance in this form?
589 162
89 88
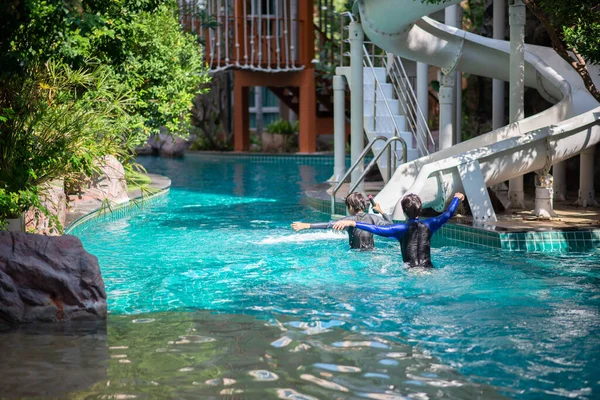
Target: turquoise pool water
215 267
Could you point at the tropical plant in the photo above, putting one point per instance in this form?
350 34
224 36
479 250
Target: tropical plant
57 122
141 41
283 127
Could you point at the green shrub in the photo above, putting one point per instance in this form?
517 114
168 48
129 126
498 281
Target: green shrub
283 127
56 123
140 41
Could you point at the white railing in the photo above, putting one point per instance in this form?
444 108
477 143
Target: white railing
255 34
402 87
404 91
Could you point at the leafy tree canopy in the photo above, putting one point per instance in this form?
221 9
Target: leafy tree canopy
140 40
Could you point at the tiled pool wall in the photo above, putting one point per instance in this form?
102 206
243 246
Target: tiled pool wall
305 159
115 212
533 241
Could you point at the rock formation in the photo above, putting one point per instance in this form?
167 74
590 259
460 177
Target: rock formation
165 145
110 184
55 200
48 278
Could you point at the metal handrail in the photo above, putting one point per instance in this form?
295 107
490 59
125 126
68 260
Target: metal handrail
415 112
378 155
361 156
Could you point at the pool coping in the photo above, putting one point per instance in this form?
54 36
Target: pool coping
570 239
158 187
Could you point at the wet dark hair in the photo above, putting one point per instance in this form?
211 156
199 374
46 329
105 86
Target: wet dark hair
411 205
357 201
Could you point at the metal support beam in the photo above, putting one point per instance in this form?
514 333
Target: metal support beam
499 22
423 99
446 97
544 196
517 88
339 128
587 195
451 19
476 192
559 172
356 35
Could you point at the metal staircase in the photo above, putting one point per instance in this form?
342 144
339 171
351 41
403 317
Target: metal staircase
393 122
390 105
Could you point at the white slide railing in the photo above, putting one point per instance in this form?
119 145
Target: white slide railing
528 145
390 106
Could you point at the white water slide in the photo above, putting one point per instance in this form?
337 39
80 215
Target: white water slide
532 144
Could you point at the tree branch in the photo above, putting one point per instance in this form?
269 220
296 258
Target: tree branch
577 62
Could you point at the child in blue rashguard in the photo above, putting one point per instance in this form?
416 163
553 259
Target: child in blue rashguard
414 235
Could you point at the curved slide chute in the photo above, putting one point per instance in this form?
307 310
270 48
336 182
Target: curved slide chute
531 144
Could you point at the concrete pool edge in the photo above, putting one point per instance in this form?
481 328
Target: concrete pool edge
466 234
158 188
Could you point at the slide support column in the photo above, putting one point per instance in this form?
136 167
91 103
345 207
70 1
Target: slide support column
516 196
446 97
587 195
339 128
356 101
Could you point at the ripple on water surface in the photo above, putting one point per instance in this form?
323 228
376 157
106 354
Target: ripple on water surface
171 357
525 324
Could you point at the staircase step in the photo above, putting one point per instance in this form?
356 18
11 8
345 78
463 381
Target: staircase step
385 90
385 122
382 108
378 72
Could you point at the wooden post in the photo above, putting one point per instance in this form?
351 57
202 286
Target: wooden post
307 112
306 13
241 124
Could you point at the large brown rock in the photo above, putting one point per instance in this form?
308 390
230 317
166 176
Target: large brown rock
48 278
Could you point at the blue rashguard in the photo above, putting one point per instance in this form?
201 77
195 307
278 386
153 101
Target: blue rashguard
414 235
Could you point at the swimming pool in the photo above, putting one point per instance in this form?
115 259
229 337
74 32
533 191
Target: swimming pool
211 293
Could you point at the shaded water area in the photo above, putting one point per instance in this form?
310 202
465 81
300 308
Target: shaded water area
211 295
203 355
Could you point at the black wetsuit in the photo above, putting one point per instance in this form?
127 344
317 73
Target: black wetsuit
359 239
414 235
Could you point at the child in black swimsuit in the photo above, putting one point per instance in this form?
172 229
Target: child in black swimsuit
356 203
414 235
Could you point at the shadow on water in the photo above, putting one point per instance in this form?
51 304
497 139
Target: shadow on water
53 361
202 354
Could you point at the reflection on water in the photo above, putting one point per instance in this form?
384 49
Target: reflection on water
52 361
200 355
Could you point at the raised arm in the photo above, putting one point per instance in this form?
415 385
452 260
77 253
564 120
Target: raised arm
385 219
436 223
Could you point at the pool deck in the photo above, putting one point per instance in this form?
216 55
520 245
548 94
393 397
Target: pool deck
574 229
80 208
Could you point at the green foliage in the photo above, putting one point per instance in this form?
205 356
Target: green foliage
57 123
141 41
164 68
283 127
12 204
83 79
577 23
136 179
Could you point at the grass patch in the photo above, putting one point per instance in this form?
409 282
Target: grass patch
136 180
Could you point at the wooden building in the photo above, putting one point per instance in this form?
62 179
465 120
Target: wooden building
270 43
